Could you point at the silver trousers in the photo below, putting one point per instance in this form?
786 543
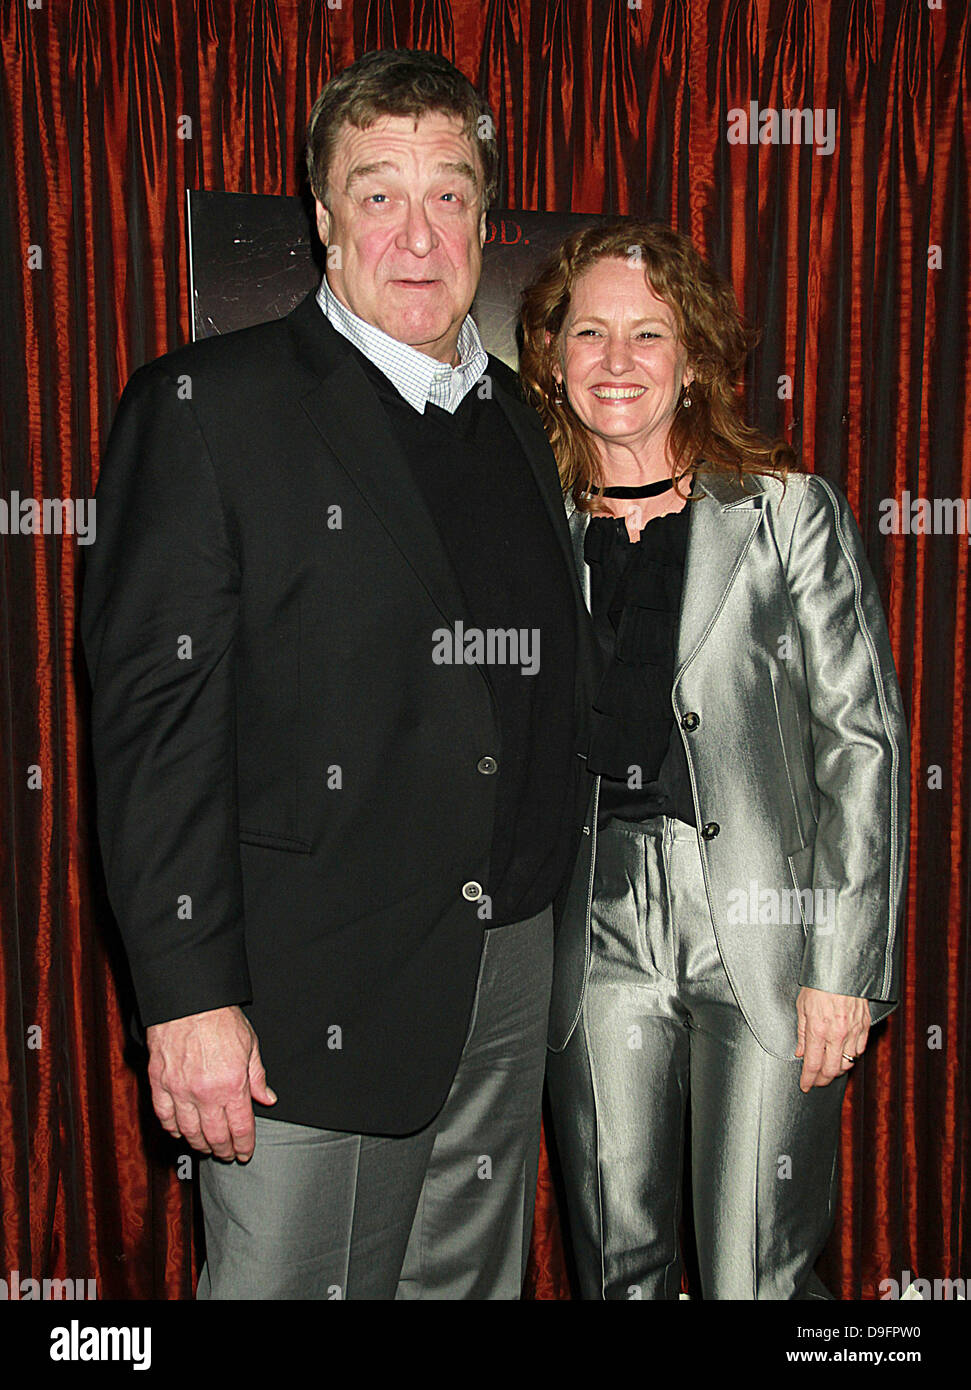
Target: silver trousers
661 1031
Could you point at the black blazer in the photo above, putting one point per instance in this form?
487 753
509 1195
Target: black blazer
289 802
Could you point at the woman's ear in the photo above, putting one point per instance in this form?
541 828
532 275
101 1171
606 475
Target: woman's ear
557 370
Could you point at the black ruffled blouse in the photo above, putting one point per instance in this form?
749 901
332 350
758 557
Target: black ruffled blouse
635 603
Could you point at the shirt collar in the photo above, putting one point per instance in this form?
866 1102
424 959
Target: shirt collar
418 377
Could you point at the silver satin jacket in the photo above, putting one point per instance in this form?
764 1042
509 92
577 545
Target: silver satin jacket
790 713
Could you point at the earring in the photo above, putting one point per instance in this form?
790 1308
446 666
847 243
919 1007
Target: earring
686 400
558 393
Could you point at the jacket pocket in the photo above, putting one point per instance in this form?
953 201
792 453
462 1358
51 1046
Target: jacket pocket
779 699
801 872
270 841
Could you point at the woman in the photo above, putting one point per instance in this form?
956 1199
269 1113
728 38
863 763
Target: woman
731 930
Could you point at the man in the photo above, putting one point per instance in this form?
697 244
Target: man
331 831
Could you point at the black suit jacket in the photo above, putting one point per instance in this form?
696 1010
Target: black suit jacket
289 802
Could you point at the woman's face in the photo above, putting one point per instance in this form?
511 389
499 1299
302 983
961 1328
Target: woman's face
621 362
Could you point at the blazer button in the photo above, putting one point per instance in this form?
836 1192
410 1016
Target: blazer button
472 891
487 765
690 721
710 830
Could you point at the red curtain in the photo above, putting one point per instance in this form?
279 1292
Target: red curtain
854 262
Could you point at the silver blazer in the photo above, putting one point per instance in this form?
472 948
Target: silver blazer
790 713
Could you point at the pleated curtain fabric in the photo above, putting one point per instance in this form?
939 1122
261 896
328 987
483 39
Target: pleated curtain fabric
851 254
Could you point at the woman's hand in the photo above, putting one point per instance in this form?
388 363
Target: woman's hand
833 1031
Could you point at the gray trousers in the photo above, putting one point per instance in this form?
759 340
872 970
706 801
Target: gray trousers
660 1030
442 1214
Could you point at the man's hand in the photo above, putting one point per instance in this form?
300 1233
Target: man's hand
203 1070
833 1031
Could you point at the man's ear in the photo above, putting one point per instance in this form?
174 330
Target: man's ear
482 228
323 222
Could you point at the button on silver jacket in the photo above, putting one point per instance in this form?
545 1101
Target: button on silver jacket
798 756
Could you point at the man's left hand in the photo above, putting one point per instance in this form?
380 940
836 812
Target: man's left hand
833 1031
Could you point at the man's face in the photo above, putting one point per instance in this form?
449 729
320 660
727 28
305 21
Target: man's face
405 211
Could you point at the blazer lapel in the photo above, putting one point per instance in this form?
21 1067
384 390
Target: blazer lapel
348 415
532 436
725 519
578 522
